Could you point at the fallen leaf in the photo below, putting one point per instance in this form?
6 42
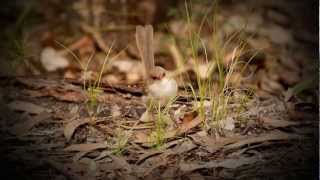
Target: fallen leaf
73 125
147 155
227 163
84 42
152 163
272 136
121 162
103 154
22 128
52 59
151 153
27 107
277 123
186 146
141 137
86 147
187 125
66 95
211 144
79 155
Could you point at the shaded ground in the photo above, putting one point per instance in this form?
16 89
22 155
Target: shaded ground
48 131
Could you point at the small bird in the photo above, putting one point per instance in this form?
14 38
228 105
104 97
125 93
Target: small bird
160 87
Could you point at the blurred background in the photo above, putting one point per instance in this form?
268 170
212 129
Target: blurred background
268 48
57 38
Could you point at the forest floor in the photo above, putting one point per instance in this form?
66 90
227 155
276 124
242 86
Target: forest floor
52 127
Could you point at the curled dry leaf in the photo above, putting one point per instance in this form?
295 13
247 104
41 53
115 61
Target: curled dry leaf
73 125
188 123
53 60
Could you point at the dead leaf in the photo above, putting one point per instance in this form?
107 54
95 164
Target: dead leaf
103 154
53 60
141 137
86 147
79 155
121 162
272 136
84 44
66 95
73 125
27 107
227 163
211 144
186 146
152 163
22 128
148 154
187 125
277 123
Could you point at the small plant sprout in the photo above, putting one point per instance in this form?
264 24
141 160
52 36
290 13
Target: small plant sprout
158 136
120 141
214 95
92 89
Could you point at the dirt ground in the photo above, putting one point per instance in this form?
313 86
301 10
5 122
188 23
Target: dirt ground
52 127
